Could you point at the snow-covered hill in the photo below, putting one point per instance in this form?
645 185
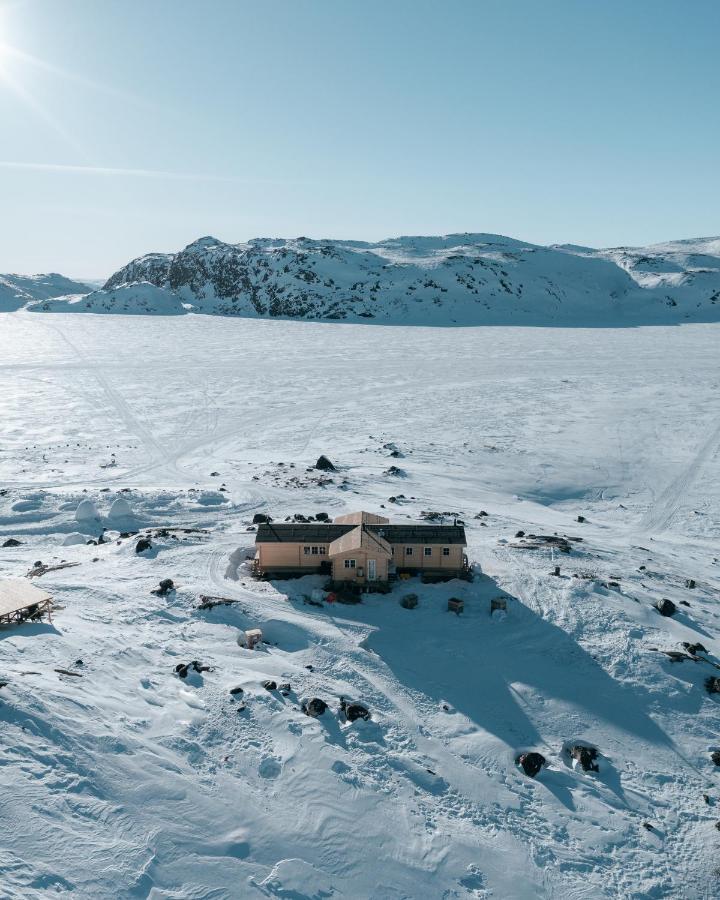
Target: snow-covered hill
124 781
458 279
17 290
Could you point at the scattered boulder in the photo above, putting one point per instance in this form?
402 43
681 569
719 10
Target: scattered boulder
354 711
581 518
531 763
666 607
715 757
694 649
324 464
236 690
182 669
261 518
394 472
322 517
269 685
712 685
166 585
396 454
12 542
409 601
690 583
314 707
585 757
143 544
519 534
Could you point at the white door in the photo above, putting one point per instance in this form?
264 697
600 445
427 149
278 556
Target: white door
372 569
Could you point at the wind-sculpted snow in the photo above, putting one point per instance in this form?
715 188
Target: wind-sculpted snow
460 279
125 781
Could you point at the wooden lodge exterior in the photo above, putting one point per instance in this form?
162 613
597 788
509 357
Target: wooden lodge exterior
361 550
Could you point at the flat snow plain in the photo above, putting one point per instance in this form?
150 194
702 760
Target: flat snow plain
130 783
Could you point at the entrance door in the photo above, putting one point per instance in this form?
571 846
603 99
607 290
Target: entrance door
372 569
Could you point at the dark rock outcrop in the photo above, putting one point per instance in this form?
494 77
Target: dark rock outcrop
531 763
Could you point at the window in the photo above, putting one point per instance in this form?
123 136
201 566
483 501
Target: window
322 550
349 563
408 551
392 551
446 551
306 551
314 551
428 551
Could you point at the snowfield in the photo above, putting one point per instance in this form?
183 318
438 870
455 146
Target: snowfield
125 781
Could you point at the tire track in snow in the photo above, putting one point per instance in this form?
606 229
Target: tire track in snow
666 505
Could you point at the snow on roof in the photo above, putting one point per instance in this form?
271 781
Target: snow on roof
16 594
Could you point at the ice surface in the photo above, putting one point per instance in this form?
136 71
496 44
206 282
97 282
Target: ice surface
129 782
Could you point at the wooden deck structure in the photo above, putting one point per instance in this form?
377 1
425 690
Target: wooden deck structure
21 601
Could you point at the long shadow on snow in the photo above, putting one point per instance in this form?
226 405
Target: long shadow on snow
27 630
494 673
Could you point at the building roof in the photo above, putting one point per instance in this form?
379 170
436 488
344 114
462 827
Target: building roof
310 533
321 533
421 534
360 538
19 594
361 518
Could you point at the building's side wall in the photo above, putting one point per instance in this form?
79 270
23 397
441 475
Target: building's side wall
436 560
288 555
340 573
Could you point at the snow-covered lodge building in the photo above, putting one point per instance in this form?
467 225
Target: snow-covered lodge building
361 549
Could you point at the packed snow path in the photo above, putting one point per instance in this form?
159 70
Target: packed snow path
127 781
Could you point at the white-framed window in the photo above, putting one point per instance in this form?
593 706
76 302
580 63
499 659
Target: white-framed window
446 551
428 551
408 551
349 563
323 550
392 551
315 551
306 551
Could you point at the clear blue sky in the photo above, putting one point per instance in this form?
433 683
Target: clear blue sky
563 120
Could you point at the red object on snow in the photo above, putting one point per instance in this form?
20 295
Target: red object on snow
331 598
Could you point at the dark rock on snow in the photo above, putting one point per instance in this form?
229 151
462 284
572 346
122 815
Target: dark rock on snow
261 518
354 711
12 542
314 707
531 763
694 649
409 601
182 669
143 544
324 464
666 607
166 585
712 685
715 757
585 757
269 685
236 690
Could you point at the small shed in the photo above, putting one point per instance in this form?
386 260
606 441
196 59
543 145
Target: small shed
20 601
